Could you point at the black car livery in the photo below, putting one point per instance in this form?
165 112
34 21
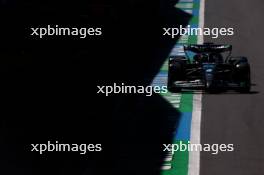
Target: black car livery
204 66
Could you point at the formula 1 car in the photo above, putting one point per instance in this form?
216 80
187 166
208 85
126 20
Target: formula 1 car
204 67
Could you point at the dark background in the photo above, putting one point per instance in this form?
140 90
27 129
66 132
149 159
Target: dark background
48 86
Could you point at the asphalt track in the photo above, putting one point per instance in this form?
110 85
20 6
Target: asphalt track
230 117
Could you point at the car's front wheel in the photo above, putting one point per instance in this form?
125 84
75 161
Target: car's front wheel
175 73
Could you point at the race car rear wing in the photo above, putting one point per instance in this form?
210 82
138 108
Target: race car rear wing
207 47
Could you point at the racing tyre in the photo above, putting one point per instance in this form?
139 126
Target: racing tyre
243 74
245 85
237 60
175 73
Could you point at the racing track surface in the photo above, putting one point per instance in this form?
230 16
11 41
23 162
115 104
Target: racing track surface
234 118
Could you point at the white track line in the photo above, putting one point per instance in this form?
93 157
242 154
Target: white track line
200 38
194 156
